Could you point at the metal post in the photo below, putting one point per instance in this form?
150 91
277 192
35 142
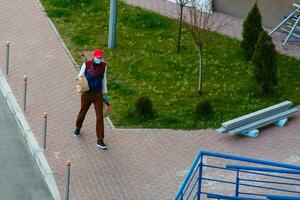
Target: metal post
45 130
112 24
200 178
67 182
25 93
237 183
7 57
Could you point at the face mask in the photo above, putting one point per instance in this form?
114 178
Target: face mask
97 61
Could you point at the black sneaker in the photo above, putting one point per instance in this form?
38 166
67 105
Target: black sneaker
101 145
77 133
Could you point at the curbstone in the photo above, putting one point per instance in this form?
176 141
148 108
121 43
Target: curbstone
110 123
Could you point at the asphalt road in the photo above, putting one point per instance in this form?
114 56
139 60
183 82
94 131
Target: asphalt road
20 177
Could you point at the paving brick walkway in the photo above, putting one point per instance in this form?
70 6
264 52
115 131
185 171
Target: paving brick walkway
139 164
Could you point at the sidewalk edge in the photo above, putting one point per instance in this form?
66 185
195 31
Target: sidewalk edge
110 123
29 137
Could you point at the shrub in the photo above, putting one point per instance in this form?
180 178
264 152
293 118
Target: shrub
144 107
252 27
265 64
204 108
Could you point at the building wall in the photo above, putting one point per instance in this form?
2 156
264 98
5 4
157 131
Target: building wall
271 10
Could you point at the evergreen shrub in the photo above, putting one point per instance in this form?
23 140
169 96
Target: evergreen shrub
252 27
265 64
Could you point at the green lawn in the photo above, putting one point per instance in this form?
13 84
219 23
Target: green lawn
145 63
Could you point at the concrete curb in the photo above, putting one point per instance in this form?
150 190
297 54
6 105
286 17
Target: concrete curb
34 148
110 123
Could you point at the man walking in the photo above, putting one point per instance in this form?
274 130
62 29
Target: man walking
95 73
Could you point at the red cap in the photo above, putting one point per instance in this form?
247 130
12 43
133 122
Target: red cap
98 53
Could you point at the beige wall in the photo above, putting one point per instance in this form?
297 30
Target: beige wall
271 10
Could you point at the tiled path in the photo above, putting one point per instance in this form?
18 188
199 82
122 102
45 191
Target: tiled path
139 164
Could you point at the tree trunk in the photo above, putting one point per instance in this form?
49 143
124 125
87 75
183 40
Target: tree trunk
179 30
200 72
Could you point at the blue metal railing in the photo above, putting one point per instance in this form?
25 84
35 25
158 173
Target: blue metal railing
250 179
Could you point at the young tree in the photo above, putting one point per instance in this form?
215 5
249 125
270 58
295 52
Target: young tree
181 4
265 64
201 25
252 27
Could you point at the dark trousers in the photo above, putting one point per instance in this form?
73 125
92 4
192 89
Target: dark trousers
87 99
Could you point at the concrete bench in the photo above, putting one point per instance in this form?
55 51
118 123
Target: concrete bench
248 124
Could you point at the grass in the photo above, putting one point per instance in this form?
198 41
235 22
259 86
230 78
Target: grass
145 63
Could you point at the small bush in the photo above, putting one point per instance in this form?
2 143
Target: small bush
252 27
144 107
204 108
